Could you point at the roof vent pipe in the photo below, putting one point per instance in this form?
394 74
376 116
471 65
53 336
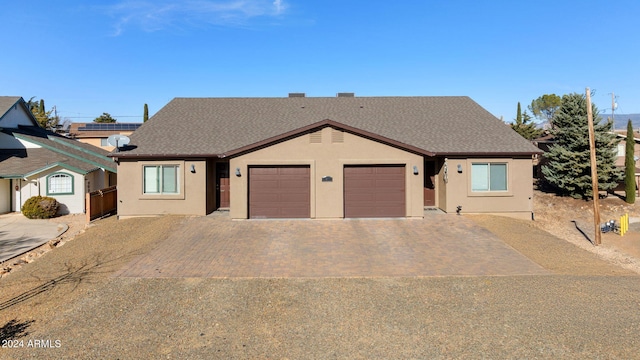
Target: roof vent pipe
292 95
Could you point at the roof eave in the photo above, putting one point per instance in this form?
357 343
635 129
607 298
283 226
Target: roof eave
490 154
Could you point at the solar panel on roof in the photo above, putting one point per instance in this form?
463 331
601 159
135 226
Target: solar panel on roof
110 127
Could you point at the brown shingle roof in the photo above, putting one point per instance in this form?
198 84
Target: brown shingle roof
6 102
216 126
16 163
82 156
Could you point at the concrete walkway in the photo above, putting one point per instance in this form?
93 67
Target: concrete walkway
19 234
438 245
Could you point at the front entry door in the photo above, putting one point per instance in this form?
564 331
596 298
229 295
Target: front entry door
222 184
429 183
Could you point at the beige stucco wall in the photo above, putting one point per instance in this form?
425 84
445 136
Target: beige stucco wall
191 200
95 142
517 201
327 159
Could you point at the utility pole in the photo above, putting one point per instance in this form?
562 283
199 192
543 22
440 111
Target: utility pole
594 172
613 106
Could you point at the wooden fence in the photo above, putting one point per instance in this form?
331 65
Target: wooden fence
101 202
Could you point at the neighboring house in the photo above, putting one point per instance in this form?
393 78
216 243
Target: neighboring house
622 146
96 134
325 158
546 141
34 161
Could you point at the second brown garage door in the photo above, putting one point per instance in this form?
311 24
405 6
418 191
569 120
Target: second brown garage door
374 191
279 192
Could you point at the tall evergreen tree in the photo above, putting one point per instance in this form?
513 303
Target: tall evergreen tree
145 117
569 168
45 119
630 166
524 126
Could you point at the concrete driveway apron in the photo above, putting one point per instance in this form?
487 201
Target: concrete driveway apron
438 245
19 234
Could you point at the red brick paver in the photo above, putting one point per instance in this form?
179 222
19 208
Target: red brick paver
439 245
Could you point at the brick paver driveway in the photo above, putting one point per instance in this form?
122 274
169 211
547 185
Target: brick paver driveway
439 245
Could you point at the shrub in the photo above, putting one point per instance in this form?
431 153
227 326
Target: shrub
40 207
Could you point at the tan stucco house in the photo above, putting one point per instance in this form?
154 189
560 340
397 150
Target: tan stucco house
325 158
96 134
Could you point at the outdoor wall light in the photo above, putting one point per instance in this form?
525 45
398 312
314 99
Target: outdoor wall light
193 168
238 172
415 170
460 168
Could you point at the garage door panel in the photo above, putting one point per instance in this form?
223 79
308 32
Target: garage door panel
359 197
270 185
295 199
257 198
359 170
389 183
294 184
389 170
303 171
390 198
263 171
279 192
374 191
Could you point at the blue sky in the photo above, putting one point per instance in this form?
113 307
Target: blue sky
87 58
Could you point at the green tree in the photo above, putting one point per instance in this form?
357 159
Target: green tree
145 117
46 119
569 169
630 166
104 118
524 126
545 107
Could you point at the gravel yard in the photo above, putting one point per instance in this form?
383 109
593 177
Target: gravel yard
69 301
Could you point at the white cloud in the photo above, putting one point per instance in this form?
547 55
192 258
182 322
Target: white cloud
157 15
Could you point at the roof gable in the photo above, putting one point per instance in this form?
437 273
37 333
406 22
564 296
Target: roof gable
14 112
59 149
222 126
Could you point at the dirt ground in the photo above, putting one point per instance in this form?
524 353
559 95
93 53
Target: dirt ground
572 220
70 297
565 217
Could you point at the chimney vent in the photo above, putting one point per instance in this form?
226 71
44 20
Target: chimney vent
346 94
291 95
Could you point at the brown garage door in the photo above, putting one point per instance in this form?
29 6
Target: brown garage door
374 191
279 192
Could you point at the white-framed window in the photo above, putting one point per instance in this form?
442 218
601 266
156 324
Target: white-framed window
161 179
622 149
60 184
489 177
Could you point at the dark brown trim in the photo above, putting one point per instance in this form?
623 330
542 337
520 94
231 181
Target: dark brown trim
123 155
486 154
